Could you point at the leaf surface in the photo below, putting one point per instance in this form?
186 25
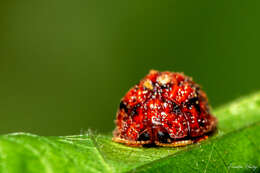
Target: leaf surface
234 148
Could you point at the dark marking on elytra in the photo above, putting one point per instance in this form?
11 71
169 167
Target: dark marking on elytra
163 137
176 109
194 102
144 137
165 86
123 106
202 122
134 109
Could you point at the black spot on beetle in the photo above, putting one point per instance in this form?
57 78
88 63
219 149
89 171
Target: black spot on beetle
134 110
202 122
122 105
163 137
165 86
144 137
149 145
176 109
194 102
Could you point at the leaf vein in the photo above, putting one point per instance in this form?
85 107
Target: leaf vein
219 155
210 154
101 154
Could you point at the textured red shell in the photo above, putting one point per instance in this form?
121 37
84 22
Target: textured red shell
164 109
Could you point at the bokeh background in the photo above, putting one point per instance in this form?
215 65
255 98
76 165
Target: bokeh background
64 65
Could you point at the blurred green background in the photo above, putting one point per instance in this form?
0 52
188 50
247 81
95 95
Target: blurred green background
64 65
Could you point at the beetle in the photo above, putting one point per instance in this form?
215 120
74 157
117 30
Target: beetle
165 109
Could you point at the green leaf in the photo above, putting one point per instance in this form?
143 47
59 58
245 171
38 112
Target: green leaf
234 148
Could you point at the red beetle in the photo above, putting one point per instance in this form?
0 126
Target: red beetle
164 109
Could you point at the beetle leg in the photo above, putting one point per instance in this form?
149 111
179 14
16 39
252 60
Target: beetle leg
201 138
175 143
132 143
